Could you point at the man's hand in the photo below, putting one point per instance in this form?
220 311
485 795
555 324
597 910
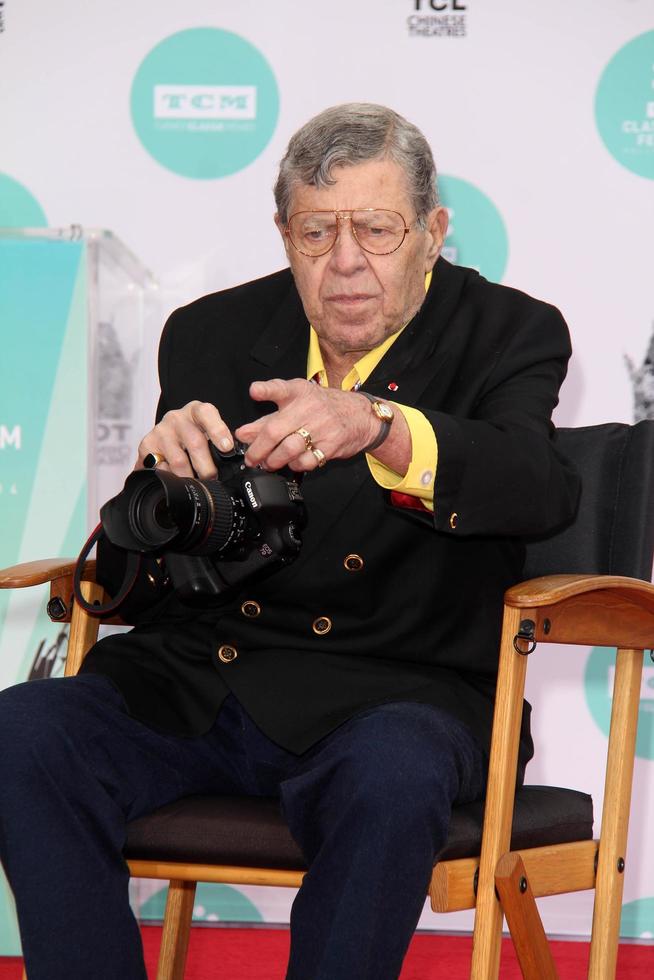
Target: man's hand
181 438
339 423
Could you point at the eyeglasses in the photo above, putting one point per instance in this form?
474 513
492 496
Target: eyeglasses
376 230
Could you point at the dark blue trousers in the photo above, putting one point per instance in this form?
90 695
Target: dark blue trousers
369 805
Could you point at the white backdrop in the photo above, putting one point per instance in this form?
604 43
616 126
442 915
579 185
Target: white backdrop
507 100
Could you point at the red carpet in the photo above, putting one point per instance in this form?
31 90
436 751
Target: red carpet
260 954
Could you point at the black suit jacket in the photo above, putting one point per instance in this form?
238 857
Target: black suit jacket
420 620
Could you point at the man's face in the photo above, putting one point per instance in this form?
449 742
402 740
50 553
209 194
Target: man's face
354 299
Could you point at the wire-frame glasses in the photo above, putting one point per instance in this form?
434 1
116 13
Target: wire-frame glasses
377 230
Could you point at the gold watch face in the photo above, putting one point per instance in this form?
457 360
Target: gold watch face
383 411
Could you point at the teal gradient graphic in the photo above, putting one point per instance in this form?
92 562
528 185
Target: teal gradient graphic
624 105
637 920
598 684
477 234
43 444
18 208
213 903
38 287
9 938
199 128
44 629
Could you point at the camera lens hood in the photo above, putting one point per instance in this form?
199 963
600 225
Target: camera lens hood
140 517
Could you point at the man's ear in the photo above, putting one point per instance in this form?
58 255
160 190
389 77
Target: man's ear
437 222
280 229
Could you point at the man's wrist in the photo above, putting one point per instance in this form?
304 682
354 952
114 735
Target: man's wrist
382 411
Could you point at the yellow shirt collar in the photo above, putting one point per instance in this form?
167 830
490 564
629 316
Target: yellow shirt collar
361 371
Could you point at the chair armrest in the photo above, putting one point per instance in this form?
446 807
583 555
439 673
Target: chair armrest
554 588
38 572
59 573
602 610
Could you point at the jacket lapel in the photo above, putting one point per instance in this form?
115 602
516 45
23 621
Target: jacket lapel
420 353
411 364
283 346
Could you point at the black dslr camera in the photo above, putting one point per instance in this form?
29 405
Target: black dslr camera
212 534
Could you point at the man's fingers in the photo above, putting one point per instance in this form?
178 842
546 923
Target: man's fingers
294 399
291 452
278 390
247 433
272 441
268 391
208 418
182 439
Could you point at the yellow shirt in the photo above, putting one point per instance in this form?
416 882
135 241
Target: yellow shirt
421 474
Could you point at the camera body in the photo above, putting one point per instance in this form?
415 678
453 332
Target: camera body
212 534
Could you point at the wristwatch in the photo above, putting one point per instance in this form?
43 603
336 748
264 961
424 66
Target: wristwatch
385 414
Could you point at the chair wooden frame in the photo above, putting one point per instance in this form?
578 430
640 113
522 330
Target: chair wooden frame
571 609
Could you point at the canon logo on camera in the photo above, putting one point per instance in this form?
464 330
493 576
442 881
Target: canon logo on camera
251 495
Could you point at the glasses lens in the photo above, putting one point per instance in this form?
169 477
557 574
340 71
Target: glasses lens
379 232
313 232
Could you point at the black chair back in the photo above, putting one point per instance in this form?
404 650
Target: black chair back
613 530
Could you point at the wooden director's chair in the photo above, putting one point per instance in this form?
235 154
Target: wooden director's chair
541 844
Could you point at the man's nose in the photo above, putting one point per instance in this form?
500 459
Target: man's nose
347 256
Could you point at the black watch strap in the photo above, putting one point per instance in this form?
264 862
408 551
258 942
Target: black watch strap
384 428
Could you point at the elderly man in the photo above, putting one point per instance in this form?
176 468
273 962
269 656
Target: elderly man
356 684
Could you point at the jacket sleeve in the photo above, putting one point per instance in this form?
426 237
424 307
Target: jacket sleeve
499 472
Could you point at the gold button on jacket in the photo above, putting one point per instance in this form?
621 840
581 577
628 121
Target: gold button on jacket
251 608
227 653
322 625
353 563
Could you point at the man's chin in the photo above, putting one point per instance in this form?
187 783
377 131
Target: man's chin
352 336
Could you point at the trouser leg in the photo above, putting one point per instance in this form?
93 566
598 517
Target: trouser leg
370 806
73 768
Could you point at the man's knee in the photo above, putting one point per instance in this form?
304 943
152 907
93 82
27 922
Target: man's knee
403 750
37 717
399 761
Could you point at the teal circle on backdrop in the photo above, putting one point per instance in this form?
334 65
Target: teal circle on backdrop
476 236
213 903
204 103
19 208
624 105
637 919
598 685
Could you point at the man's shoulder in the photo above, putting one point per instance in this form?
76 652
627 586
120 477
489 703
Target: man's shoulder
259 298
482 294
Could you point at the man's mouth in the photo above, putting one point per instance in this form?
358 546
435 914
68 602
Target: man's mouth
349 299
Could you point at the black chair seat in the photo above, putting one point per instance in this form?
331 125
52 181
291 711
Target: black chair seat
251 832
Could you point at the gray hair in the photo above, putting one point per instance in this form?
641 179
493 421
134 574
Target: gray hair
357 132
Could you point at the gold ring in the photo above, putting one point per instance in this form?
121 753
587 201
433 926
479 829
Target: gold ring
152 460
308 445
321 459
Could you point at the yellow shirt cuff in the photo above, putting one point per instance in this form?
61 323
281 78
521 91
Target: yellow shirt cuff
421 475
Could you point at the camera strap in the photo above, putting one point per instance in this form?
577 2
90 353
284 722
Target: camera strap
132 568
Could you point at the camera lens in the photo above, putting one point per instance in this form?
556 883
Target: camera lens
161 515
149 518
193 517
158 509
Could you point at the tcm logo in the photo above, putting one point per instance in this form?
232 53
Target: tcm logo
205 102
10 437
